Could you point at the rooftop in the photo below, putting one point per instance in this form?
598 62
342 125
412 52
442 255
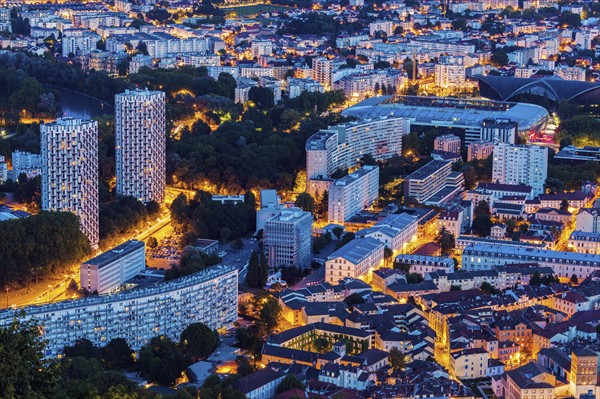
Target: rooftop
455 112
428 170
357 250
117 252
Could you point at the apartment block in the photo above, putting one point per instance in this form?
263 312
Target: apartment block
111 269
521 164
447 143
166 308
25 162
570 73
78 42
447 74
69 151
322 68
287 238
141 144
433 183
353 193
479 150
342 146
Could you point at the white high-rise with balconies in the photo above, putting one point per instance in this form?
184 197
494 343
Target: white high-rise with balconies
141 144
521 164
69 150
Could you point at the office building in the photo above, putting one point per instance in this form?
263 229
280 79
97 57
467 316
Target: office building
111 269
353 193
341 147
137 315
287 238
484 256
479 150
69 150
521 164
270 205
141 144
322 69
395 231
499 131
447 143
355 259
433 183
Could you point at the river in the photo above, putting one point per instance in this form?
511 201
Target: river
78 105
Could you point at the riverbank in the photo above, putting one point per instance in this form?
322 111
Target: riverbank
81 105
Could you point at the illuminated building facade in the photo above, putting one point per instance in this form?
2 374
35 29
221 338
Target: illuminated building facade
69 150
141 144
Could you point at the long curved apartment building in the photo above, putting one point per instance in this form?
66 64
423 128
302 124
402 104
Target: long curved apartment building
166 308
342 146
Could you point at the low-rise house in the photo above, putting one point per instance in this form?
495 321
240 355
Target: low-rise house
261 384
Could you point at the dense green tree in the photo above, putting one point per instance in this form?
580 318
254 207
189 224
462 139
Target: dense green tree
574 280
322 345
117 354
39 245
414 278
198 341
447 241
489 288
354 299
306 202
269 313
397 359
248 338
570 19
254 276
499 58
253 270
535 280
482 224
160 361
24 371
261 97
290 381
83 348
338 231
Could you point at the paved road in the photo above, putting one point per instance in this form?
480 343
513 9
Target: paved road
239 257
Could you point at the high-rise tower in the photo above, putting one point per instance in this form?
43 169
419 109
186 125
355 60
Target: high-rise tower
69 150
141 144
